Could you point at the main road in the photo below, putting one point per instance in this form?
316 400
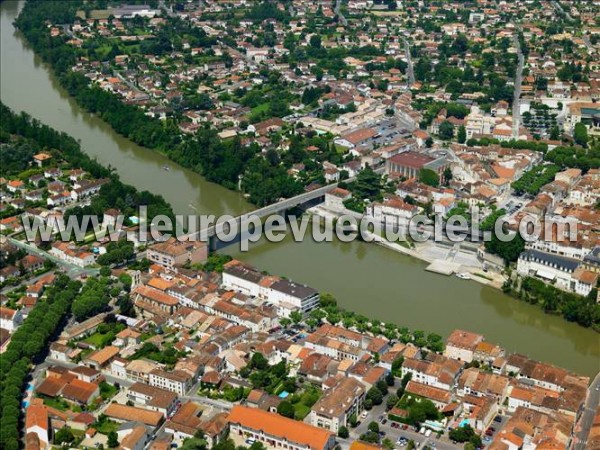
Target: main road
586 420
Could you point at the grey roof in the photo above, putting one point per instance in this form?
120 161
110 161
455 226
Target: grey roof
593 257
550 259
245 273
291 288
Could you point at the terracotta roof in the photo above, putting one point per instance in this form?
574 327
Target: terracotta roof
37 415
80 391
280 427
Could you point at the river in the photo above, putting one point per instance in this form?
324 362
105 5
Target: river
363 277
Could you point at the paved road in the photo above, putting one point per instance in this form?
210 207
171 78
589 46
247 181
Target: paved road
560 9
394 433
582 429
588 43
410 73
71 269
338 12
517 92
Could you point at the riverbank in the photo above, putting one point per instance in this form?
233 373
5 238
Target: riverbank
435 255
368 279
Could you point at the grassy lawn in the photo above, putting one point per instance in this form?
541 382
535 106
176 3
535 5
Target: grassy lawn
56 403
107 390
303 402
340 149
94 339
301 411
106 425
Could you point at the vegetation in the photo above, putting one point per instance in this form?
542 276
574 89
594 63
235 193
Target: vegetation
532 181
29 345
33 137
466 433
574 308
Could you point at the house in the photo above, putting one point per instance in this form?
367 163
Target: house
41 158
478 383
134 438
562 271
37 422
289 296
461 345
334 409
173 253
442 374
336 198
123 413
101 358
355 138
60 352
80 392
176 381
276 431
440 397
10 319
392 212
9 272
409 164
153 398
126 338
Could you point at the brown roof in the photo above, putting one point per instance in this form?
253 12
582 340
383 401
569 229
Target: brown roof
159 398
126 413
355 137
411 159
104 355
430 392
80 391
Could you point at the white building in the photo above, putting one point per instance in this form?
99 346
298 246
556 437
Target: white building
10 319
176 381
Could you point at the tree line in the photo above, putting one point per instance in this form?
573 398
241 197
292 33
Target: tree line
223 162
29 345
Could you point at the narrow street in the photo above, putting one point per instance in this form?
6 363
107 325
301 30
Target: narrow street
338 12
516 113
410 73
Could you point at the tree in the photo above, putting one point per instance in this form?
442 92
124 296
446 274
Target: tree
580 134
113 439
429 177
375 396
374 427
389 379
296 317
462 134
64 436
367 184
353 420
446 130
391 401
447 175
286 409
429 142
315 41
466 433
343 432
